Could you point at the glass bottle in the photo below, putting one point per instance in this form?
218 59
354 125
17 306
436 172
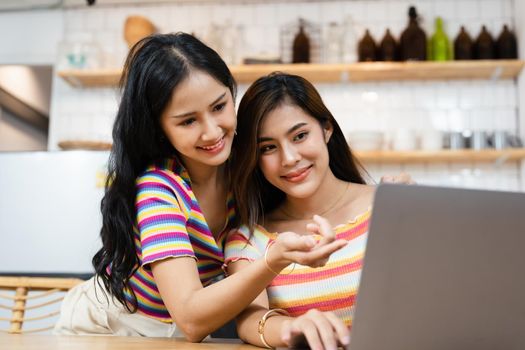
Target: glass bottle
439 48
484 45
463 45
506 45
301 46
229 42
214 37
367 48
413 42
388 48
350 40
333 43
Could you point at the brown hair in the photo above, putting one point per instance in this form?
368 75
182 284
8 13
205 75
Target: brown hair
254 195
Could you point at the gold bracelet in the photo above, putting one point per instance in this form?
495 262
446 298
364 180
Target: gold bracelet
262 322
268 265
266 257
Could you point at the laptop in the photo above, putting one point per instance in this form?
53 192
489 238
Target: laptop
444 269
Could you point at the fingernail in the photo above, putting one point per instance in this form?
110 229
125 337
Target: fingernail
345 340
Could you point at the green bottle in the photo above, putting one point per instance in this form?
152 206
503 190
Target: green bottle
439 48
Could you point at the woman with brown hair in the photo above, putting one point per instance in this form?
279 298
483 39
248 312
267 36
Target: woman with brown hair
292 166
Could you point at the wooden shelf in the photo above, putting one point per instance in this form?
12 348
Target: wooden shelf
387 71
91 78
444 156
68 145
353 72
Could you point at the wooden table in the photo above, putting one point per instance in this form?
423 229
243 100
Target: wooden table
45 342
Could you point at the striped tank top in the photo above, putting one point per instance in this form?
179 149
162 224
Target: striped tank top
332 287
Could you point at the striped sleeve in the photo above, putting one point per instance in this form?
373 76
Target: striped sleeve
241 246
162 218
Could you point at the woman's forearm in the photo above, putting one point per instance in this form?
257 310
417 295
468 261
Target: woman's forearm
199 311
248 327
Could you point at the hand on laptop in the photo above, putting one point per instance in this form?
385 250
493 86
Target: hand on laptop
402 178
317 329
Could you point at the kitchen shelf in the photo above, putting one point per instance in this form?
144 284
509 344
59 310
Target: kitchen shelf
444 156
352 72
387 71
91 78
68 145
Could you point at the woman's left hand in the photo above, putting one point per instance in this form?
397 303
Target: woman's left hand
402 178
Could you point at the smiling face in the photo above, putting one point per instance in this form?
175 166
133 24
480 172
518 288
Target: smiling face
200 120
293 152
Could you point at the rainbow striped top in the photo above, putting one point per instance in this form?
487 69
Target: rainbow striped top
170 224
332 287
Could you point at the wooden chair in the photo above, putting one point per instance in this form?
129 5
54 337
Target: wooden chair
49 291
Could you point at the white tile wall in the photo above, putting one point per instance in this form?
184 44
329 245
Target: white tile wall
30 37
386 106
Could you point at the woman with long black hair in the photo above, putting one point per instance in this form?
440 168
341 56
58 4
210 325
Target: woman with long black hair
168 205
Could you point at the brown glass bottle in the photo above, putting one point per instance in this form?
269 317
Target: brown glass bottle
388 48
301 46
506 45
413 42
484 45
367 48
463 45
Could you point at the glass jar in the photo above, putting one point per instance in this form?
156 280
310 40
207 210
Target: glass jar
79 51
349 40
333 43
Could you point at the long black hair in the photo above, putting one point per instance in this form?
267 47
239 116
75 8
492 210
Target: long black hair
254 195
153 69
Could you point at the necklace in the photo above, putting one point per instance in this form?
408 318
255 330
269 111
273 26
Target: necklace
332 206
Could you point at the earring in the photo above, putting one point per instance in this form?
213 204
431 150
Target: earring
235 132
